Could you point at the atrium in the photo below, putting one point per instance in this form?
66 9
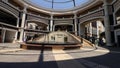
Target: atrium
59 33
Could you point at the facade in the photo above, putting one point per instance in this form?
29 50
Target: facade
20 19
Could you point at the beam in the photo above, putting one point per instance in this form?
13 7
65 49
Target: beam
74 3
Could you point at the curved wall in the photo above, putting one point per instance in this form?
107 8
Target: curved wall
90 12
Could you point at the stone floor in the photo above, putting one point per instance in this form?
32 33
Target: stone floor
85 57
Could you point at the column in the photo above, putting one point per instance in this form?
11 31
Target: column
107 24
81 30
48 28
90 29
51 23
75 23
23 24
3 35
16 34
98 28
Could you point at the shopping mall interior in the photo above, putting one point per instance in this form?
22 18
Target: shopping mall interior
59 33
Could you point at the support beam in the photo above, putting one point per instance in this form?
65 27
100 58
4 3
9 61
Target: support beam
52 4
74 3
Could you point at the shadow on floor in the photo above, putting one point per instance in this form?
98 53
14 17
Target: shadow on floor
110 60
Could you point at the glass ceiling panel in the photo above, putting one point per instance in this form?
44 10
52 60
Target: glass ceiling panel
58 4
63 5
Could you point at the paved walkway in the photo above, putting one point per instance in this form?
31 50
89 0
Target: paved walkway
85 57
9 47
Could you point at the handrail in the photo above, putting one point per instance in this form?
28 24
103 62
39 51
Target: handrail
12 8
100 9
4 24
88 42
11 5
84 40
32 30
38 16
48 17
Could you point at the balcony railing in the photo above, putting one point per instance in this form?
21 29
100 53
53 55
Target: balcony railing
36 31
3 26
116 5
9 7
32 17
63 22
94 14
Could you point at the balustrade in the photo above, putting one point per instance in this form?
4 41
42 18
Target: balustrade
9 7
116 5
92 15
36 18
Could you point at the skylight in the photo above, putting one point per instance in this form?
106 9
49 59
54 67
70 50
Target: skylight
58 4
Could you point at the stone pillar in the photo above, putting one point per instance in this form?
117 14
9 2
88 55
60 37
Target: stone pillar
90 29
51 23
107 24
98 30
75 23
16 34
81 30
23 24
48 28
3 35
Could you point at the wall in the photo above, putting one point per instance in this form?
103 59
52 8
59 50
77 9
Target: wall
10 35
